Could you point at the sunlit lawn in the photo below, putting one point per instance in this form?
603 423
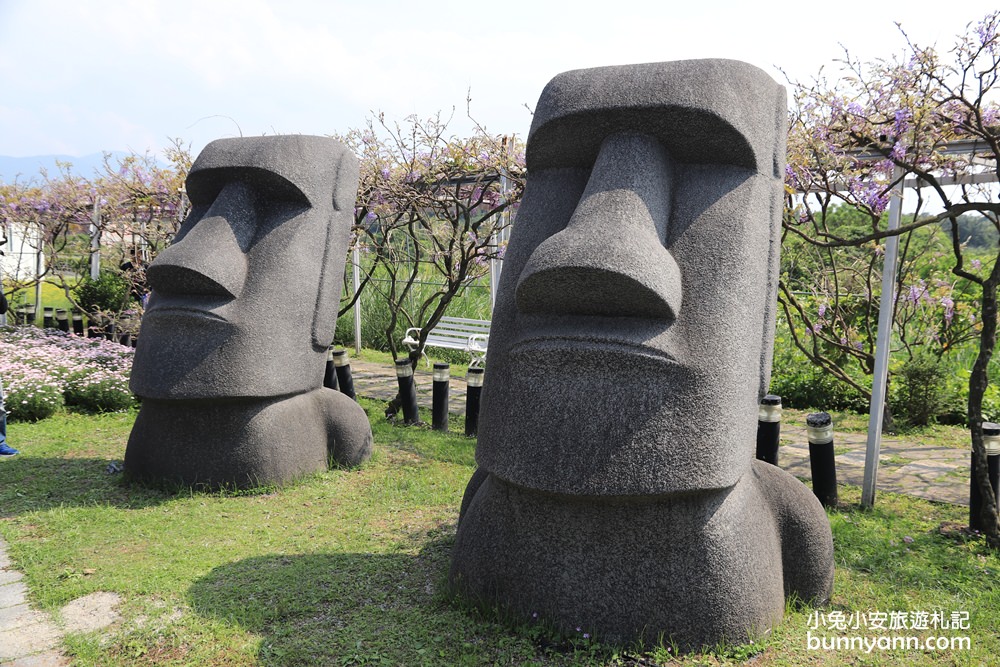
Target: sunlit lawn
348 567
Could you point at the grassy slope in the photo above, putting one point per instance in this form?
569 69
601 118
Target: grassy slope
347 567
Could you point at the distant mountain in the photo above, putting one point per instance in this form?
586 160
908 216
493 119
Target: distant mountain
25 169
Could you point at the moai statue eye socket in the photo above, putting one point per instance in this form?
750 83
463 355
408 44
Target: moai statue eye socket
631 342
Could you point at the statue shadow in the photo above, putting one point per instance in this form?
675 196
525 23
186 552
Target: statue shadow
337 608
30 484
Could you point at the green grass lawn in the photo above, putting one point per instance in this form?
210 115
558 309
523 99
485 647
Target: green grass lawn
347 567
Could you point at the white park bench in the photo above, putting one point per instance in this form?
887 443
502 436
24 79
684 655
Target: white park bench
455 333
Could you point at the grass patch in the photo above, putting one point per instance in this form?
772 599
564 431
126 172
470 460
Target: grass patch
347 567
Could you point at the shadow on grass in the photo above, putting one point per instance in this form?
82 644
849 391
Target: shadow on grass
351 608
31 484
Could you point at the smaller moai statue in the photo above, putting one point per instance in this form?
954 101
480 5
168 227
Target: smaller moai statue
231 353
617 489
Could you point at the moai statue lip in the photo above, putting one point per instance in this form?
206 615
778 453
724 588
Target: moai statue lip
253 275
634 322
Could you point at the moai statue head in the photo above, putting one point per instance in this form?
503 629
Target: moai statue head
633 329
244 302
617 488
231 352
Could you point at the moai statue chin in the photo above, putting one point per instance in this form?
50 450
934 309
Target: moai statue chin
617 488
231 354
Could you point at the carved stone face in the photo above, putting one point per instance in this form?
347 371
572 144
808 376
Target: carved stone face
633 327
244 302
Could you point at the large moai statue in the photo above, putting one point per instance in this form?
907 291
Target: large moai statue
617 488
231 353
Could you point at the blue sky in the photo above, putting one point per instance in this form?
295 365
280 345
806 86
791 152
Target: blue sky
81 77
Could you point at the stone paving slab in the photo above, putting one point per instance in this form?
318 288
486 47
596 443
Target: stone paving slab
28 638
47 659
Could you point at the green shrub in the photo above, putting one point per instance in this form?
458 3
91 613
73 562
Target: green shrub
919 389
30 400
109 293
804 386
98 390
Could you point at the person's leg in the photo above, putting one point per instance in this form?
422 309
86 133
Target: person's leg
5 449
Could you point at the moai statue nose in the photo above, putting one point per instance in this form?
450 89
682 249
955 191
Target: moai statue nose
210 258
610 260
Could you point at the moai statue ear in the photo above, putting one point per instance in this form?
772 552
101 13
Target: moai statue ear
338 236
773 258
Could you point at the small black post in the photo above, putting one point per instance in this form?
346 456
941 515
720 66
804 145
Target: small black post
77 323
991 442
48 317
330 374
62 319
442 387
407 391
769 428
473 390
819 431
344 378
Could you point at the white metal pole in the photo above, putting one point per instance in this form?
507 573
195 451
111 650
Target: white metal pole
357 302
882 345
39 270
95 241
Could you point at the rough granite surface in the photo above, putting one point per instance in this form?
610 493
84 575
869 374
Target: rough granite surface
232 349
630 345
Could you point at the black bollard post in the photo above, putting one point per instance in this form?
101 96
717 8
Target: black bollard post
78 323
473 390
991 441
819 431
407 391
62 319
344 378
769 428
48 317
442 388
330 374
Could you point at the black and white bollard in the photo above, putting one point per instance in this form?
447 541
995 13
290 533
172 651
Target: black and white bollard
769 428
62 319
49 317
442 389
819 431
407 391
991 442
78 323
330 374
344 378
473 390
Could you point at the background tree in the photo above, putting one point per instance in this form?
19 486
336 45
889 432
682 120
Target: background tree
430 209
126 212
907 110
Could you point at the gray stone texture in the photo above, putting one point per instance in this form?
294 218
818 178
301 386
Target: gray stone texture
231 352
631 343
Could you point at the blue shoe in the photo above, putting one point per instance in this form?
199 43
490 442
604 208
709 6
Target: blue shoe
7 450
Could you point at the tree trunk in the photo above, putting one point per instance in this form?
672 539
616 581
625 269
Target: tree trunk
978 381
